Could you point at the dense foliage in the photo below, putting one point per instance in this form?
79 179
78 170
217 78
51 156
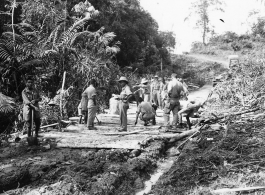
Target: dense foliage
42 48
46 38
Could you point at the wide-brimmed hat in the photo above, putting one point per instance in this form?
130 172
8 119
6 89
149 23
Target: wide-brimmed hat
144 80
156 76
123 79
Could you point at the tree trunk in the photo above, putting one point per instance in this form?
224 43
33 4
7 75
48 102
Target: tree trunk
204 32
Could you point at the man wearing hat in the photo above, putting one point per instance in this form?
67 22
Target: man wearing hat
174 91
124 105
155 88
145 89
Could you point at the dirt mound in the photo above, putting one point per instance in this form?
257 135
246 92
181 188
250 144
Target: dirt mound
75 171
214 155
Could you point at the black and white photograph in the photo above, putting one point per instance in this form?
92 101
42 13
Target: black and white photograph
132 97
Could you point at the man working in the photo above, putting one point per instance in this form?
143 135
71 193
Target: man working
124 105
147 112
174 91
145 88
162 83
82 108
192 107
90 94
185 86
31 99
155 88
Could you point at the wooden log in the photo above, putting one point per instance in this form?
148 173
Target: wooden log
178 136
174 136
233 114
124 133
238 189
49 125
124 144
187 139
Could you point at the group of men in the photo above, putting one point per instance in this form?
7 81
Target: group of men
165 95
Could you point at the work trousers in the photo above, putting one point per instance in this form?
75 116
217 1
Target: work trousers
91 113
160 101
123 114
37 122
84 113
155 95
171 105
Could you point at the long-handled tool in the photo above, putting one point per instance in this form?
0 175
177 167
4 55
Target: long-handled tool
99 122
32 140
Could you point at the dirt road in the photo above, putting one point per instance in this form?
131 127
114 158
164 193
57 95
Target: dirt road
210 59
49 169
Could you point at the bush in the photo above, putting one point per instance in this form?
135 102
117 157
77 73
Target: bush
247 44
225 47
236 46
246 84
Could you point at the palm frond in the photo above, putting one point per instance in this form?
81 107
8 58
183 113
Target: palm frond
84 35
9 36
7 104
5 53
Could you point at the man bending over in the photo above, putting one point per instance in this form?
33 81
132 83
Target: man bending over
147 112
192 107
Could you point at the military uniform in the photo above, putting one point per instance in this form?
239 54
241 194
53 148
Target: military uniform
191 108
90 92
28 95
124 106
174 91
155 89
83 106
161 95
147 112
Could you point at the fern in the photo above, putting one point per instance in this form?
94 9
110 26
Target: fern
7 104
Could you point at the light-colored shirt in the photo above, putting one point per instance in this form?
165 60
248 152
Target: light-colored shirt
145 107
145 89
90 92
175 88
155 86
125 91
27 96
161 87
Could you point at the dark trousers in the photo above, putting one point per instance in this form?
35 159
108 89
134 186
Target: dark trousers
37 122
84 113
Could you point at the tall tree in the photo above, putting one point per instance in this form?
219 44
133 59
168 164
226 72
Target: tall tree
135 29
202 8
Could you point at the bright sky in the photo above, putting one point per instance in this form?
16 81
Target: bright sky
170 15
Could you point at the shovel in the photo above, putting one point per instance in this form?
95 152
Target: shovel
32 140
99 122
